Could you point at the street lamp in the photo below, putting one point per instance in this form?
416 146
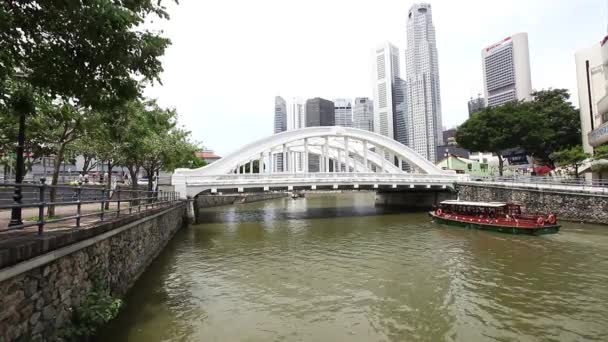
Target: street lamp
22 103
16 218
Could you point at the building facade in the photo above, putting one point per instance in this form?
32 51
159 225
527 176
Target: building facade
592 83
385 75
363 114
319 112
296 113
296 119
476 105
280 125
343 110
422 79
506 70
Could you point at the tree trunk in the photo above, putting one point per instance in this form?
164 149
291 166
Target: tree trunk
501 163
576 170
55 179
109 183
133 173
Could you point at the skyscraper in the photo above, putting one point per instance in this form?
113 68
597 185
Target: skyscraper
280 125
319 112
280 115
422 78
506 70
296 114
363 114
296 119
343 110
385 74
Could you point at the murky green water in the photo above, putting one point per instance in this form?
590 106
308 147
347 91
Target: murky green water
337 269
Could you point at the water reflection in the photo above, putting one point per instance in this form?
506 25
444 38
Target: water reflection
339 269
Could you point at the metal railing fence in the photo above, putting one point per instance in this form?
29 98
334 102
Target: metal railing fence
137 200
556 183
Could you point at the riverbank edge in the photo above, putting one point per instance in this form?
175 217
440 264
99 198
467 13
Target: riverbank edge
210 201
39 294
572 207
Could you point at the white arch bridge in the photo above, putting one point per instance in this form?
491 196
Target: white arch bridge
315 158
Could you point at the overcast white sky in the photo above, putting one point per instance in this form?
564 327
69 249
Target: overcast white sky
230 58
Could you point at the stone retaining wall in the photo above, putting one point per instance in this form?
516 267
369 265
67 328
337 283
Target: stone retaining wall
580 207
207 201
37 295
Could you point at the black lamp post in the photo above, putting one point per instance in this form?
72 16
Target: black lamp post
16 218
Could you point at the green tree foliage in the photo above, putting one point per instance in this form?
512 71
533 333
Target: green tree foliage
550 123
600 157
96 310
153 142
490 130
541 127
93 52
571 157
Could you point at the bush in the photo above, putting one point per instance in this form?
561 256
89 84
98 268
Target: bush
96 310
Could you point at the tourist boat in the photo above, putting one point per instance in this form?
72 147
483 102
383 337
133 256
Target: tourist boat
495 216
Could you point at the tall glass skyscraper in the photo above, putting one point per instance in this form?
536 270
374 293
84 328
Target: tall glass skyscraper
343 109
363 114
280 125
423 98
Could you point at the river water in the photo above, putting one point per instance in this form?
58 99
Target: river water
335 268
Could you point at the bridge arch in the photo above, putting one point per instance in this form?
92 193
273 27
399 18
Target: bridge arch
337 149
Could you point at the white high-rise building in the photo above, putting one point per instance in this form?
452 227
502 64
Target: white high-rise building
296 113
363 114
423 99
296 119
385 75
506 70
343 109
592 81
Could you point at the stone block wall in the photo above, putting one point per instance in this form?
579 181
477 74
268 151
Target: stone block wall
37 295
579 207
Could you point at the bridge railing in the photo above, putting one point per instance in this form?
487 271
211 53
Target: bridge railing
81 204
564 183
321 176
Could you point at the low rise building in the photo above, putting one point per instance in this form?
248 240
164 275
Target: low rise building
592 83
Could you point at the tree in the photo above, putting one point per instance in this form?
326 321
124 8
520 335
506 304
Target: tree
571 157
548 124
600 158
490 130
82 56
152 142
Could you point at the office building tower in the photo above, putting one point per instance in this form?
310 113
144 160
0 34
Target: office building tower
401 120
385 76
476 105
343 110
319 112
363 114
296 114
422 78
280 115
280 125
296 119
506 70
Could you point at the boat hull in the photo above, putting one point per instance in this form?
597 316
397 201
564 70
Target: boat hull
547 229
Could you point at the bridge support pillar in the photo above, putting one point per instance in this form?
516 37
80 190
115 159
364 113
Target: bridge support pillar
413 200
